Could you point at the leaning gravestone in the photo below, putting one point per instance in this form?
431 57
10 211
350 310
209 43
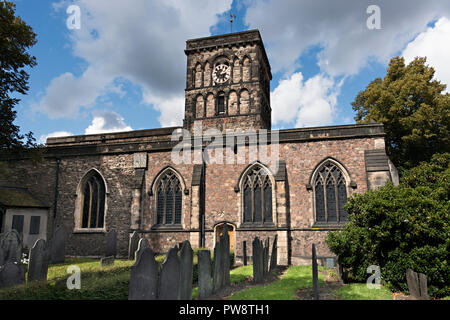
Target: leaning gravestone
315 273
169 277
417 286
58 246
12 246
266 257
258 261
204 274
132 247
144 277
186 260
111 243
273 257
423 287
11 274
142 244
244 249
218 267
38 261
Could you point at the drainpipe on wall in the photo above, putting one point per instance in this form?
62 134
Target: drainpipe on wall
55 202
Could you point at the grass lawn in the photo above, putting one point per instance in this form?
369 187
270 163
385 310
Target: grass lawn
359 291
296 277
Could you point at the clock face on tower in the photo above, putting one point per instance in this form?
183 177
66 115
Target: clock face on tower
221 73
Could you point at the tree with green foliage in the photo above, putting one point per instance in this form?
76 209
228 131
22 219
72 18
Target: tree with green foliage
413 108
16 37
400 227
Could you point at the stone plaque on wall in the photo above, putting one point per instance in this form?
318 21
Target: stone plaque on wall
140 160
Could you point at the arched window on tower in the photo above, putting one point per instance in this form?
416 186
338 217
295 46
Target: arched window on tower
330 194
93 201
168 199
220 103
257 196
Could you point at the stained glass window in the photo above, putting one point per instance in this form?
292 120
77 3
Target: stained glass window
93 202
169 199
257 195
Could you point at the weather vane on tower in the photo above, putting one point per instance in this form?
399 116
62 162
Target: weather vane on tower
232 17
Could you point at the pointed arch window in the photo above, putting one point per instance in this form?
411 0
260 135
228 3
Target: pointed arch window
330 194
168 199
257 196
93 202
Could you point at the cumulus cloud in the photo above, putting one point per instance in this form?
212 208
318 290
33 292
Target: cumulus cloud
434 43
107 121
43 138
339 28
308 103
142 42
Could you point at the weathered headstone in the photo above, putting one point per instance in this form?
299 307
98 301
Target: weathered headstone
38 261
423 287
11 274
204 274
273 256
186 272
142 244
266 257
225 239
258 262
106 261
132 246
244 249
315 273
111 243
144 277
417 285
169 277
11 244
58 245
218 267
2 256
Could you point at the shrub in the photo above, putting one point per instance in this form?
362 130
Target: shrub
400 227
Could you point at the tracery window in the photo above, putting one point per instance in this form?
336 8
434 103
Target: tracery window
93 202
168 199
330 194
257 196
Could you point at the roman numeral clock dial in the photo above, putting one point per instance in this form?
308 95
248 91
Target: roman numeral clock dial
221 73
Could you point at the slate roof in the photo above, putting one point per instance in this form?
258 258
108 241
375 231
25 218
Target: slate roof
18 197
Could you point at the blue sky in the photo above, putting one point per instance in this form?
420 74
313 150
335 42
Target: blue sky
124 69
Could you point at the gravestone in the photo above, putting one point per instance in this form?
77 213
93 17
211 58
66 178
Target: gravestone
225 239
144 277
218 267
169 277
142 244
204 274
58 246
2 256
417 286
11 274
186 260
315 273
244 248
266 257
12 246
132 246
38 261
258 262
106 261
111 243
274 255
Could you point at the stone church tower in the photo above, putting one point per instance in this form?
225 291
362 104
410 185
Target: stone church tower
228 82
129 182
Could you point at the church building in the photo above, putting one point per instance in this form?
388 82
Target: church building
129 181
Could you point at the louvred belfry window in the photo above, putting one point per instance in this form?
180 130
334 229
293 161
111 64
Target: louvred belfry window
93 202
168 200
330 194
257 193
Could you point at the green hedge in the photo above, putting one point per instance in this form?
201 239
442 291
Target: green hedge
400 227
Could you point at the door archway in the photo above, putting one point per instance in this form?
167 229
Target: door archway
218 231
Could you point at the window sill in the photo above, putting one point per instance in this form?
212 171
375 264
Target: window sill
167 227
334 225
89 231
257 226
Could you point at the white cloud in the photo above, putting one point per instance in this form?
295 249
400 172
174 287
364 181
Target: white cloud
339 28
434 43
43 138
142 42
107 121
308 103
